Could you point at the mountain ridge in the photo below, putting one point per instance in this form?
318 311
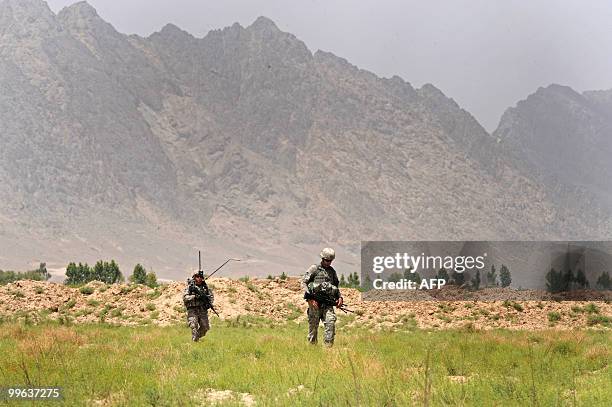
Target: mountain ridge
246 137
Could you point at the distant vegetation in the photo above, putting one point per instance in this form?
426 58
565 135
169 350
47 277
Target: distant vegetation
140 276
558 281
603 282
107 272
352 281
505 278
40 274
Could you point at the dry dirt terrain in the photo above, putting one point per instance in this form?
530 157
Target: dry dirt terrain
279 301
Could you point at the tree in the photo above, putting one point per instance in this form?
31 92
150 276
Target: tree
85 273
78 274
342 281
395 277
554 281
72 274
353 280
112 273
443 274
103 271
99 271
367 283
459 278
492 276
568 279
410 276
151 279
505 278
476 280
139 275
42 270
283 276
581 279
603 282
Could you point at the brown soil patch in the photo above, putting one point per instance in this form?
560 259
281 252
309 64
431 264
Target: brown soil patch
281 301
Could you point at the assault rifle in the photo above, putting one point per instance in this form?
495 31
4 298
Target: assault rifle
198 290
344 309
201 292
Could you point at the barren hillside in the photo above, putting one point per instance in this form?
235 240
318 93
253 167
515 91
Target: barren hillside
281 301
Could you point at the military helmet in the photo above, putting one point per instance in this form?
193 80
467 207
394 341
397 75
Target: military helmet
198 274
328 254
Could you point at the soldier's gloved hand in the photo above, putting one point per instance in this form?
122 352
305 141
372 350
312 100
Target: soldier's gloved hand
189 297
313 303
339 302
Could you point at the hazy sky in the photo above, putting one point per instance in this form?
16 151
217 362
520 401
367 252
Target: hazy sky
485 54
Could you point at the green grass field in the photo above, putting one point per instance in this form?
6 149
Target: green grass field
147 365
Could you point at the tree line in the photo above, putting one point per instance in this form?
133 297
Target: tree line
39 274
559 281
107 272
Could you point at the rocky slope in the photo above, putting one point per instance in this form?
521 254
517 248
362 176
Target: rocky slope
564 139
243 143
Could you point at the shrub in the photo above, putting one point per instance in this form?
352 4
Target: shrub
598 320
18 294
155 294
517 307
591 308
86 290
151 280
554 316
139 275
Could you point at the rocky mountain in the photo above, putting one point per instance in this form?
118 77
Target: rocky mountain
564 139
246 143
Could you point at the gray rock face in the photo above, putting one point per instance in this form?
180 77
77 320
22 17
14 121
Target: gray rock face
248 136
564 139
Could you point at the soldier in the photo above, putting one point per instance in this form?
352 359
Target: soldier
198 298
321 291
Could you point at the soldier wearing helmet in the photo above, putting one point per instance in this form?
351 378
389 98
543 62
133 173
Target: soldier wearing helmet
322 294
198 298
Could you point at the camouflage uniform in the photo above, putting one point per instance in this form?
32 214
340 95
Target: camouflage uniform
325 311
197 310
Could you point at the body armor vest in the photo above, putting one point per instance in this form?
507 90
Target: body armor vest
321 276
322 287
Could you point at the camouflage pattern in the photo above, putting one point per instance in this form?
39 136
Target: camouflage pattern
326 314
197 300
197 319
328 253
318 276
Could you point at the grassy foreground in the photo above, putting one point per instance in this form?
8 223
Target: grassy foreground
147 365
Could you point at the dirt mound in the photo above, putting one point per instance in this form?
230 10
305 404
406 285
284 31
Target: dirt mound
281 300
